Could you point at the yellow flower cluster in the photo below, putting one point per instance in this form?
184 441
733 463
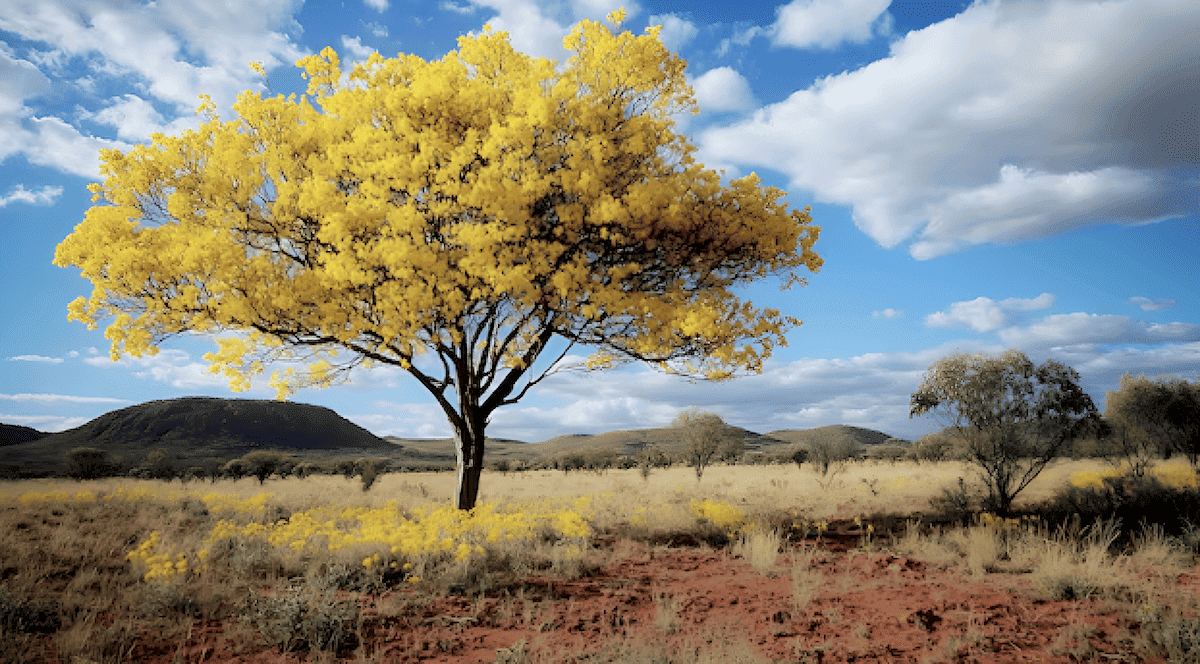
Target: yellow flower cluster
144 493
161 564
31 497
718 514
443 530
989 520
221 502
1176 475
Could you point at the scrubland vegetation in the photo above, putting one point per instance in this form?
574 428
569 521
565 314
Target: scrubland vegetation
131 570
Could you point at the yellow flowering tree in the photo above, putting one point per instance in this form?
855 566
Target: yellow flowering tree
476 208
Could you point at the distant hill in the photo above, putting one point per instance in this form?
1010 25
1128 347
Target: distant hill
834 433
632 442
11 434
195 428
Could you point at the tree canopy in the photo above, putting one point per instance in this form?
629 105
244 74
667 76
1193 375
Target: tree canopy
705 437
474 208
1013 417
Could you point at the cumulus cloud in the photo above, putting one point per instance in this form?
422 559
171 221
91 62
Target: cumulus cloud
378 5
136 119
887 313
355 47
723 90
19 194
538 28
676 31
19 80
45 423
1148 304
53 143
35 358
43 141
984 314
1010 121
158 42
173 51
828 23
1084 328
171 366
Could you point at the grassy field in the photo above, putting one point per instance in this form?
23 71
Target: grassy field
137 570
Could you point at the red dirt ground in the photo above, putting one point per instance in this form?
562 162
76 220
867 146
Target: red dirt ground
872 607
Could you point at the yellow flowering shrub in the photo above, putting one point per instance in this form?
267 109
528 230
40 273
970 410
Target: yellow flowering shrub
161 563
1170 474
59 496
721 515
459 533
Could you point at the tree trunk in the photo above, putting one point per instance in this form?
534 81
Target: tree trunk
468 446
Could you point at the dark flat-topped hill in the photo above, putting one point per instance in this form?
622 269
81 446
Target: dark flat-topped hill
195 428
12 434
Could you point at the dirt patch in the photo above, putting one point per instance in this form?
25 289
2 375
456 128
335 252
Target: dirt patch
861 606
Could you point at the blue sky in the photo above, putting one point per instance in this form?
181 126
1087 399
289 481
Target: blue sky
988 176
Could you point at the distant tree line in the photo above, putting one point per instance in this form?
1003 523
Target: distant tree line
1144 420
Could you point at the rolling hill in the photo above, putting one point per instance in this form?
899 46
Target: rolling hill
196 428
12 434
193 429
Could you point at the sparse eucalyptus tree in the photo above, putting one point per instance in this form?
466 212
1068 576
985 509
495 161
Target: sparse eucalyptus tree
1013 417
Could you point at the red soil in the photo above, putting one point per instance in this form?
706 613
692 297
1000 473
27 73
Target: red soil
870 607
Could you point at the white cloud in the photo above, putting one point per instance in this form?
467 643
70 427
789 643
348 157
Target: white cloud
19 194
19 80
59 398
378 5
1010 121
170 366
827 23
887 313
1084 328
35 358
538 28
172 51
1148 304
58 145
377 29
985 314
404 420
457 9
355 47
45 423
676 31
135 119
723 90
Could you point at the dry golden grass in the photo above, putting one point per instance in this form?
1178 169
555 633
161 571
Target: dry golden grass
69 560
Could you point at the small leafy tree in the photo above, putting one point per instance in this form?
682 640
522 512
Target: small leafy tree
264 463
937 446
235 469
702 436
212 468
799 456
476 208
1154 417
159 465
88 463
830 457
1013 417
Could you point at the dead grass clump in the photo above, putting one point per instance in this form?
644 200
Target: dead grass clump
306 616
759 546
